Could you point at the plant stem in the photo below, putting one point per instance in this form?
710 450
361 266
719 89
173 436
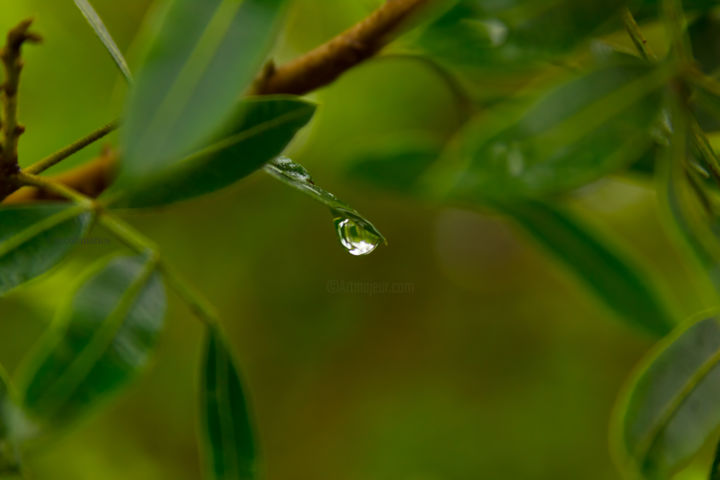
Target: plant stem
327 62
309 72
74 147
57 188
675 24
636 35
128 235
12 62
135 241
197 304
138 242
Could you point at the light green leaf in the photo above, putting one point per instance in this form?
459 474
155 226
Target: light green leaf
101 338
203 58
611 274
33 239
260 130
103 34
357 235
594 125
227 433
672 406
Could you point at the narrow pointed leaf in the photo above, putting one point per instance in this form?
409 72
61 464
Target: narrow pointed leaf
672 407
33 239
611 274
260 130
103 34
101 338
580 131
227 433
204 56
296 176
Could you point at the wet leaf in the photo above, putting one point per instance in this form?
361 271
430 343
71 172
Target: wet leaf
356 233
260 130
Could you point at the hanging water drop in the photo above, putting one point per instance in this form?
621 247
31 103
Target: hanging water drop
356 239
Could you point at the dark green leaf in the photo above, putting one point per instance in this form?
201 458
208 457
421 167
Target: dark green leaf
673 403
101 338
585 129
102 32
260 130
33 239
227 433
203 58
610 273
356 233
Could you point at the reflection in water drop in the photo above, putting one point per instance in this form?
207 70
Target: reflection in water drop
356 239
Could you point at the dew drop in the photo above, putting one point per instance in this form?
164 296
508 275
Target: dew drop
355 238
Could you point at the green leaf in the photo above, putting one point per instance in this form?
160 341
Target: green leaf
33 239
101 338
594 125
204 57
610 273
260 130
672 406
227 434
101 31
352 227
511 35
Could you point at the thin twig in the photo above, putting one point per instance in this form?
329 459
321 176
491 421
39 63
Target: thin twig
12 62
135 241
636 35
90 179
74 147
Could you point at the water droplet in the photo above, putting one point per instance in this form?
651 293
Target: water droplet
356 239
292 169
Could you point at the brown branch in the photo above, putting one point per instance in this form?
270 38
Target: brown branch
309 72
327 62
12 62
90 179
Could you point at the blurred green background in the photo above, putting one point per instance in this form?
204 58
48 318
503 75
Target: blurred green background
495 365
